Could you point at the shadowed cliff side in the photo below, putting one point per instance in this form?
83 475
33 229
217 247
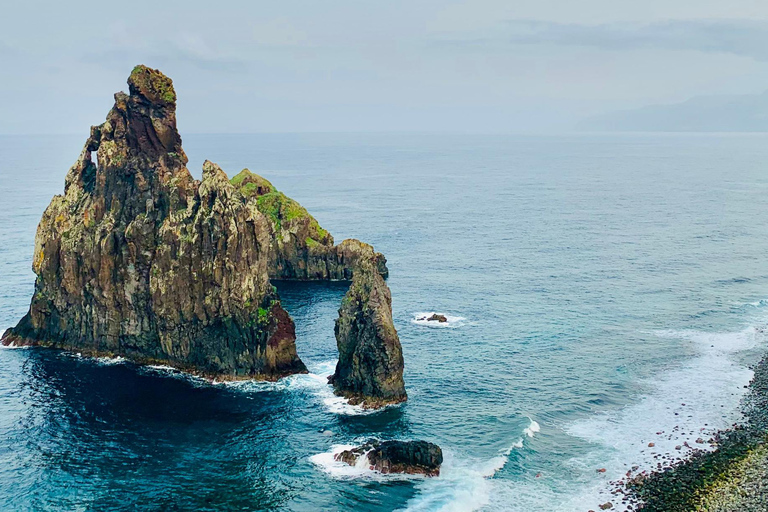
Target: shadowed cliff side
138 259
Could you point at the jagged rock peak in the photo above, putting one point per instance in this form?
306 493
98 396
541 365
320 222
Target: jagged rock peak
152 86
140 131
140 260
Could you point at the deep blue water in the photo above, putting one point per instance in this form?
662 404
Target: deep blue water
596 284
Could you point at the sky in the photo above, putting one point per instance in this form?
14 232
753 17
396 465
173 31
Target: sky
359 65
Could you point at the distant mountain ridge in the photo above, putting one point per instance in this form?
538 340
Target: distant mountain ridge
744 113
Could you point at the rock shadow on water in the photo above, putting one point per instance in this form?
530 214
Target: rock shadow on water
110 433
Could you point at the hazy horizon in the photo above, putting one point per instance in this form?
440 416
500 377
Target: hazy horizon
425 66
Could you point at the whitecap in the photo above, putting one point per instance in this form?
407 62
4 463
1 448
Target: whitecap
532 428
316 381
109 361
420 318
13 346
465 484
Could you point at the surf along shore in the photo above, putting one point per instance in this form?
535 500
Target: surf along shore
732 477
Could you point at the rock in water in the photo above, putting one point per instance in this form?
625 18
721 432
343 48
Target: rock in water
410 457
301 249
437 318
370 367
138 259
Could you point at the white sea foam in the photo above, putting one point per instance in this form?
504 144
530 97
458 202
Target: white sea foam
684 404
465 483
327 462
420 318
109 361
13 346
531 429
315 382
710 384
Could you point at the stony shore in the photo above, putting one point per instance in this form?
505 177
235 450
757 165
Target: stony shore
732 477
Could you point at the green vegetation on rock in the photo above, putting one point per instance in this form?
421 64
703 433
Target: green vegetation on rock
250 184
152 84
280 209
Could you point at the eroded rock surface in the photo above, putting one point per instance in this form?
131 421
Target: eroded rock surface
370 367
138 259
409 457
301 249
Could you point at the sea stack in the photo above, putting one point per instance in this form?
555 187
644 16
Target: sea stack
139 259
370 367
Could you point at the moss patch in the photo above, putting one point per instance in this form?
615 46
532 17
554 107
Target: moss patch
151 83
250 184
279 208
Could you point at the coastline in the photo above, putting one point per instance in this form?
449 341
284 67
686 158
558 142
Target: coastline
731 477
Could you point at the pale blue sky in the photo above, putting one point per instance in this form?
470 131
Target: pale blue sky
344 65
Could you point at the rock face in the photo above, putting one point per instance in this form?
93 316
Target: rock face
370 367
301 249
138 259
410 457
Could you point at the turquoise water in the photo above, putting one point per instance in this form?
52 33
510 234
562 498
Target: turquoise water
595 284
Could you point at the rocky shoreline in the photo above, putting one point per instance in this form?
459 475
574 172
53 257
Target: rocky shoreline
731 477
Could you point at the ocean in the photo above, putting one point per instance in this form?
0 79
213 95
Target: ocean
604 292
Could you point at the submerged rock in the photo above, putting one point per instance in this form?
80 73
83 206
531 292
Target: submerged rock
370 368
409 457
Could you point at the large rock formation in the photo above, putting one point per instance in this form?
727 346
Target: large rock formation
138 259
370 367
302 250
409 457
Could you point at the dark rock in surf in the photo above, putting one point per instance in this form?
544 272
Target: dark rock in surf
408 457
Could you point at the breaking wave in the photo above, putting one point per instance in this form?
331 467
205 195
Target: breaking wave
465 484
